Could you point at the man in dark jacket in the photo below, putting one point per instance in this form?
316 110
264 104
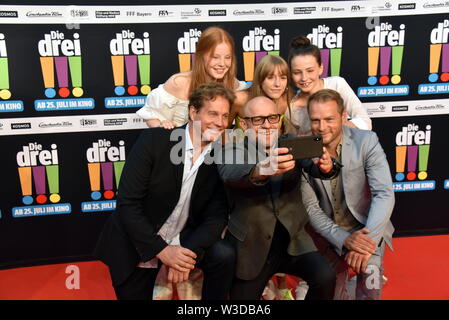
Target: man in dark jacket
171 207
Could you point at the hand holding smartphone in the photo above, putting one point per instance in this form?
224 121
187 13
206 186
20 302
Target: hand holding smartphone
303 147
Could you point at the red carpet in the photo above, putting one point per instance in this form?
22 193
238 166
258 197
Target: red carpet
418 269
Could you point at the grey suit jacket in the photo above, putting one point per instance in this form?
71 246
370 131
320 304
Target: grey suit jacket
256 208
367 186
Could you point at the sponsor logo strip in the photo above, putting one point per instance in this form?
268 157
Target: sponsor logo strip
205 13
81 123
407 108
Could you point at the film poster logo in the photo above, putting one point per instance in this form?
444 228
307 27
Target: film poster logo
385 52
257 44
5 94
105 165
130 58
5 90
38 169
57 53
438 61
187 48
331 46
62 55
412 158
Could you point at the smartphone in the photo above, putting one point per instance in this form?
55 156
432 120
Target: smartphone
303 147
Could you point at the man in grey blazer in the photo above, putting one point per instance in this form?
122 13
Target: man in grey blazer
352 211
267 215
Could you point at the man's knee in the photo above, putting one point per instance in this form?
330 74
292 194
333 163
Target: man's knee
324 274
327 275
221 252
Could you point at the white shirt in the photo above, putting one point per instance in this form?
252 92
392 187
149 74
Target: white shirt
173 226
357 113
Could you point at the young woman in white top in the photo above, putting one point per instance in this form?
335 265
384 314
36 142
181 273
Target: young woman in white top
167 105
306 68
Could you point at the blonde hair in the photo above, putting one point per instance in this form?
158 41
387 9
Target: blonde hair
209 40
325 95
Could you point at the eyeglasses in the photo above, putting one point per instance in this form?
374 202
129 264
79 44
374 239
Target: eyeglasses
260 120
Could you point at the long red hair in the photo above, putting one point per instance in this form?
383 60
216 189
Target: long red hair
210 38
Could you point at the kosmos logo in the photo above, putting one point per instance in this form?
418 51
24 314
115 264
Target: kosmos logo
257 44
39 181
412 158
385 51
187 48
105 165
438 61
330 45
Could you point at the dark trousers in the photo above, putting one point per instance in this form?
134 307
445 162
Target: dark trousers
217 264
311 267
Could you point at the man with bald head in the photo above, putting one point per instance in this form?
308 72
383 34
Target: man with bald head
267 219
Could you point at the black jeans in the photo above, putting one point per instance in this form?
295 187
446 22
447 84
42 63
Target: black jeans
311 267
217 264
